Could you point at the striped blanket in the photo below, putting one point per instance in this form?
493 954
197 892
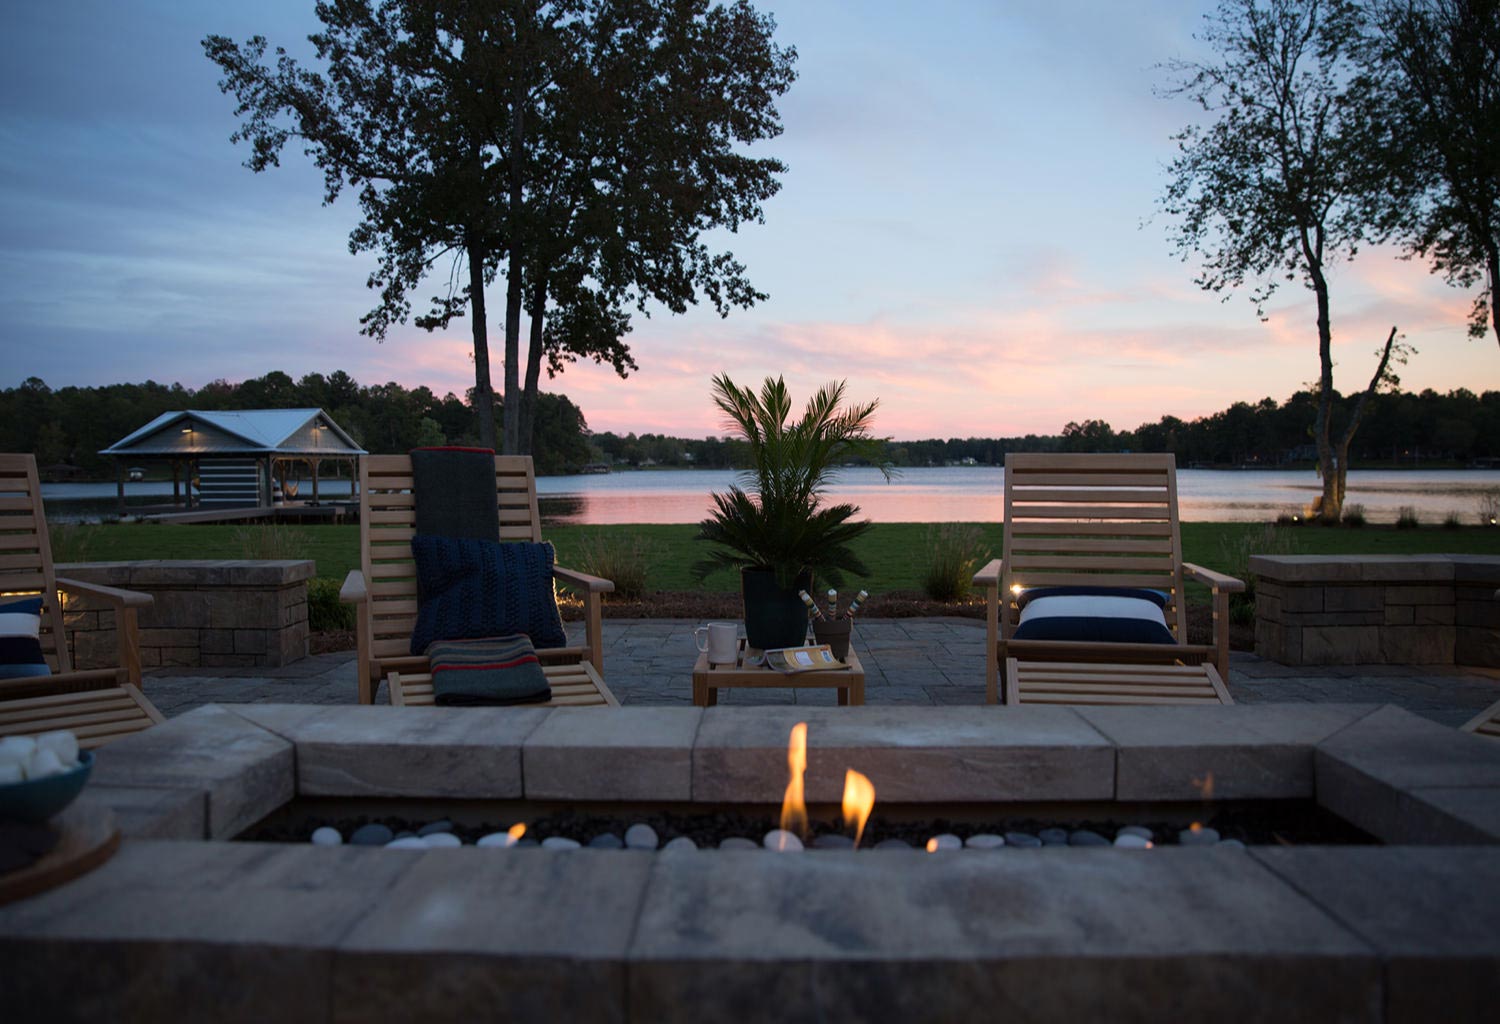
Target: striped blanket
496 670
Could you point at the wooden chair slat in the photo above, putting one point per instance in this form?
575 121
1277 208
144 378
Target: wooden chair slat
1094 497
1023 528
1023 480
1074 545
1122 562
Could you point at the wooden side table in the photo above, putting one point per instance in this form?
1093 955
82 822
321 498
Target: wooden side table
707 679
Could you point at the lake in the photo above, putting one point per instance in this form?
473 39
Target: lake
938 494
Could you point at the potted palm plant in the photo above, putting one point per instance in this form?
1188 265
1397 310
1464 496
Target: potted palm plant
776 529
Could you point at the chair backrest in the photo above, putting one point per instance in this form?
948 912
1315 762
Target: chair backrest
1102 520
387 523
26 552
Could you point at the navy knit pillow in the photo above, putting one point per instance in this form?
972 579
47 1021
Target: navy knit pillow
467 589
20 650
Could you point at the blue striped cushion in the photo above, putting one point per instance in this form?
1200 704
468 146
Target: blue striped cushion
20 650
1094 614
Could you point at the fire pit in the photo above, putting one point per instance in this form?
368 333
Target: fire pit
1306 932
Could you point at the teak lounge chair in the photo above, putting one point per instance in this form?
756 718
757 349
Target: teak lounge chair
98 704
1099 520
384 590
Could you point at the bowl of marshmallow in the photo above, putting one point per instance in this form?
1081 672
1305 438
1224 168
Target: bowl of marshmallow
40 775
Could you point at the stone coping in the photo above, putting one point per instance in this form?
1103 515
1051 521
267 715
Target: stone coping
229 572
1375 568
1400 932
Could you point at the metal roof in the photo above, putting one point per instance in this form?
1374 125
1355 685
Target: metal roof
238 431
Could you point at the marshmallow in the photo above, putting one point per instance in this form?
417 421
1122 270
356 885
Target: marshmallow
42 763
16 749
62 743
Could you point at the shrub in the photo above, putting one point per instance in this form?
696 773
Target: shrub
1289 519
954 552
325 612
1452 521
70 542
1354 516
270 543
623 558
1406 518
1489 509
1235 551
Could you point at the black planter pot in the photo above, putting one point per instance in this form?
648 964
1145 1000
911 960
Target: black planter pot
774 615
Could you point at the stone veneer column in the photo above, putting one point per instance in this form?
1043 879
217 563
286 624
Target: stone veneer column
211 614
1374 609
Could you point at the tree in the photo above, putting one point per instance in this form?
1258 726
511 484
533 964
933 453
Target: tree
400 118
586 145
1278 185
623 145
1441 59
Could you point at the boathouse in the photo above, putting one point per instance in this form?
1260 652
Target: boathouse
239 458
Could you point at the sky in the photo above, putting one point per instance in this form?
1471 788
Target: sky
968 232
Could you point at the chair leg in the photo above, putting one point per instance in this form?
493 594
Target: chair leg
1221 633
992 649
362 642
593 616
128 636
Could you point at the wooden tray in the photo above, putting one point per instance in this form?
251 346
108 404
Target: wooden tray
88 837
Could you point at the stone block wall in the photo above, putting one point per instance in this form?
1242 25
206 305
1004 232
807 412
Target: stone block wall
210 614
1377 609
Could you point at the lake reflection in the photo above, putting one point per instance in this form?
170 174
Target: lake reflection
975 494
940 494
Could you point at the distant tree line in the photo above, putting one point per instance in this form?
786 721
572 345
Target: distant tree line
70 425
1459 427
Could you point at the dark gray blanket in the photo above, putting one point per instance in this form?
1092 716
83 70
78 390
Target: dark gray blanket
455 493
499 670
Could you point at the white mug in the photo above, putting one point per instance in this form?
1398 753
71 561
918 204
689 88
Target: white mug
722 642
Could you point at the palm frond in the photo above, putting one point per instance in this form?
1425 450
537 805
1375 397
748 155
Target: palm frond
775 520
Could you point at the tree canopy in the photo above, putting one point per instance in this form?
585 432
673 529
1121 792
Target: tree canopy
1439 62
582 147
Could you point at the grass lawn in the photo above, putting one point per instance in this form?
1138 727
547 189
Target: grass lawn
897 553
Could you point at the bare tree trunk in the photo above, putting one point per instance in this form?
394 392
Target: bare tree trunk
1492 263
484 391
1329 465
533 360
512 411
1358 414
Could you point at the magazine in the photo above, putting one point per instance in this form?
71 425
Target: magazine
790 660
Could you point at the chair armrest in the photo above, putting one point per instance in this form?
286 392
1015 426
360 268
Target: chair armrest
582 580
353 591
114 595
1217 580
127 605
989 576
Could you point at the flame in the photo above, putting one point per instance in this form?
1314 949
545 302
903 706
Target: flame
793 806
932 845
859 800
1205 786
515 832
